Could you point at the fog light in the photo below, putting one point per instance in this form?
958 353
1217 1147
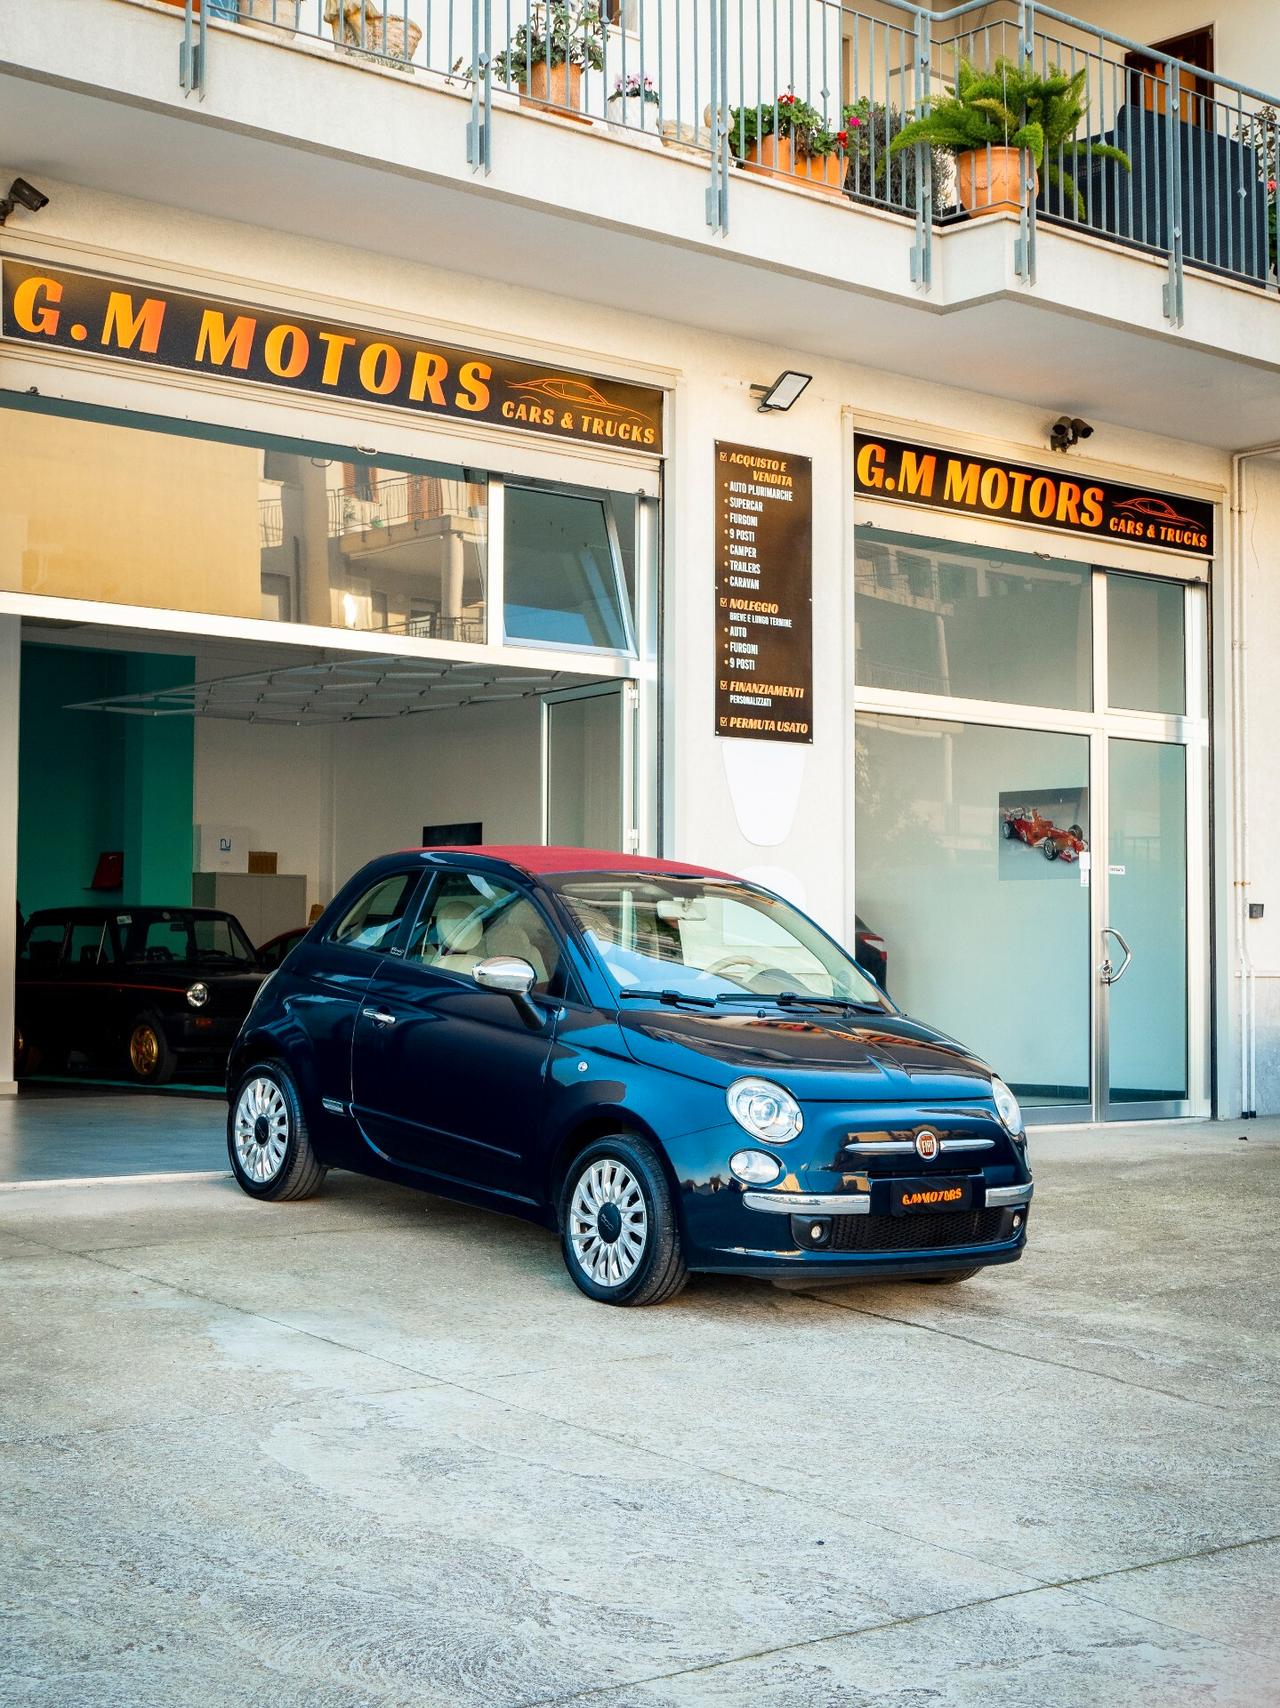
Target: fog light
1017 1221
811 1231
756 1168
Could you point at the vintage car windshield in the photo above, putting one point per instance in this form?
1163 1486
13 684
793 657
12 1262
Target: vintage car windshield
709 939
172 937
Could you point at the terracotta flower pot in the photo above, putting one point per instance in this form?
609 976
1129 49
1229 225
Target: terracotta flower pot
777 157
989 180
556 89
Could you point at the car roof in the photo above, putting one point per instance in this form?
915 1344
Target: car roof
540 861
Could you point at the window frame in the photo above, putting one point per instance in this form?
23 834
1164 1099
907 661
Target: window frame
601 495
416 881
565 968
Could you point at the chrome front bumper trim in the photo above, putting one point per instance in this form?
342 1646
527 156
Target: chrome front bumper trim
808 1203
997 1195
903 1147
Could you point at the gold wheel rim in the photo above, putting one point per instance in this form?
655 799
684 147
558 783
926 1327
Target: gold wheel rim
144 1050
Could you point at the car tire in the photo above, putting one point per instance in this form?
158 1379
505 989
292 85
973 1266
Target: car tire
268 1140
1006 830
619 1235
1049 848
1075 830
953 1279
147 1057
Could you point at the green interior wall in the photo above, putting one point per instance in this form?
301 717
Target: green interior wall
90 782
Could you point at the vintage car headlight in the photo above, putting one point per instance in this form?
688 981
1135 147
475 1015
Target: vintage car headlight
198 995
1007 1107
754 1168
764 1110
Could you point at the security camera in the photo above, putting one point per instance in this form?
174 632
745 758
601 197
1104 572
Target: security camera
1067 431
22 195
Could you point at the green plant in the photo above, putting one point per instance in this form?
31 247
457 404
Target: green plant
786 116
563 32
876 176
1008 106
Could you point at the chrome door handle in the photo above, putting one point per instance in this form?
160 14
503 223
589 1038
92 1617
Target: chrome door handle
379 1016
1106 972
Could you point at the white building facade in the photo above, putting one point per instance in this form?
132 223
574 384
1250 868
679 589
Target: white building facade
384 458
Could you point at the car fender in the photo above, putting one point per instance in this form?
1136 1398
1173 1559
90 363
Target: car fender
282 1039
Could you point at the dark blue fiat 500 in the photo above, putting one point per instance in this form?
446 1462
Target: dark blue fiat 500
674 1069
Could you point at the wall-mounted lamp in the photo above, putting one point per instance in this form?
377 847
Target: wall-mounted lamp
1067 431
783 392
22 195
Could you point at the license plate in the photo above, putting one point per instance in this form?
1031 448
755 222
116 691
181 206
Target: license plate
929 1195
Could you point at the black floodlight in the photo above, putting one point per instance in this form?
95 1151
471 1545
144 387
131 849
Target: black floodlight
783 392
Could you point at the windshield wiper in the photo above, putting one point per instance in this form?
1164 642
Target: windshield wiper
669 996
801 999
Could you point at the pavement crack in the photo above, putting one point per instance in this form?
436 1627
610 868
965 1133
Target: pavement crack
1011 1352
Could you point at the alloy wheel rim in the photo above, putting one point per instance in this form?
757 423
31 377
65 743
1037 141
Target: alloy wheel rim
144 1049
608 1222
261 1130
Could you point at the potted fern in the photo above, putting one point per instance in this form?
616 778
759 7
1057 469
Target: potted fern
990 119
789 139
547 54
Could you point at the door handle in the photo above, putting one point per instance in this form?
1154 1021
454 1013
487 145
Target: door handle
1106 972
379 1016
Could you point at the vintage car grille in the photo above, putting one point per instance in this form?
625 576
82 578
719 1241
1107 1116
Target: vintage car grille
917 1233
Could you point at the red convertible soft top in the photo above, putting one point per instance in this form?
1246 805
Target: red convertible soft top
543 862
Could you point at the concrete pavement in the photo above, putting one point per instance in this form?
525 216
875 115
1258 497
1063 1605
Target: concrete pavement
375 1449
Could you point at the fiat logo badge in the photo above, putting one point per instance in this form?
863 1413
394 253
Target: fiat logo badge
927 1145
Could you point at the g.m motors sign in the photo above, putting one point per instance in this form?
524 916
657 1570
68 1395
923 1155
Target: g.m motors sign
154 326
934 479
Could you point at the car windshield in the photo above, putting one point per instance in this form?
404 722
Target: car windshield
207 940
710 940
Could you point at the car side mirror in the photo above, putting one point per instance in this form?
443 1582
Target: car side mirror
507 973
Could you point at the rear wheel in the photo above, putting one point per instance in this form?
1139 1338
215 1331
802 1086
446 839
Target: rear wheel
148 1057
267 1137
1049 848
619 1235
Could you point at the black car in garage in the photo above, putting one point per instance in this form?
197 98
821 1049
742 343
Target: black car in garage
132 990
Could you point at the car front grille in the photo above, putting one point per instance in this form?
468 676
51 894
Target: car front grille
917 1233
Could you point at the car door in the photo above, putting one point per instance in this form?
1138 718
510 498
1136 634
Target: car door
328 979
447 1077
88 994
39 988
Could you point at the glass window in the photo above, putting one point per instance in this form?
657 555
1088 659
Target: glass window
563 582
272 529
43 946
472 916
970 868
90 943
1146 644
709 939
584 771
972 623
372 922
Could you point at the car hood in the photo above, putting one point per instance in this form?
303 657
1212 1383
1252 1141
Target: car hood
880 1058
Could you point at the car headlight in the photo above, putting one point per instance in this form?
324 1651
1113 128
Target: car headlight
1008 1108
764 1110
198 995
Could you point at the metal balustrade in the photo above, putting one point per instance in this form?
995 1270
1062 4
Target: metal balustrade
1166 160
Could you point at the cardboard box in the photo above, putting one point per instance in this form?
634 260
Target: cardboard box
263 862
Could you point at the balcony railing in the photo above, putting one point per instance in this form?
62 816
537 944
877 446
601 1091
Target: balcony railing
1162 157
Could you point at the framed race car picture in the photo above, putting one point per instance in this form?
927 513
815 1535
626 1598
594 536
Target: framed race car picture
1042 833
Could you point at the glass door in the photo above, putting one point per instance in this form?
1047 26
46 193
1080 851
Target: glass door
588 741
1143 1055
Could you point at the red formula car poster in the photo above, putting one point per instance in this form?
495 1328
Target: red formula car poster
1042 832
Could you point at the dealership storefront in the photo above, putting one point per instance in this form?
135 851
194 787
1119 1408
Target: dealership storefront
328 586
1032 758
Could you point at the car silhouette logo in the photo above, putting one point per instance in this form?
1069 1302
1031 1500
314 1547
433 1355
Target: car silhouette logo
578 392
927 1145
1155 510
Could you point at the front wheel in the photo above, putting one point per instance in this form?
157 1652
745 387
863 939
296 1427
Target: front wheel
619 1235
267 1137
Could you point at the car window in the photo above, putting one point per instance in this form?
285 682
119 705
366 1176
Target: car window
90 944
44 943
373 920
472 916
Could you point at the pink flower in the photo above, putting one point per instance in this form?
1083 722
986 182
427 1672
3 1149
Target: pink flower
1271 185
